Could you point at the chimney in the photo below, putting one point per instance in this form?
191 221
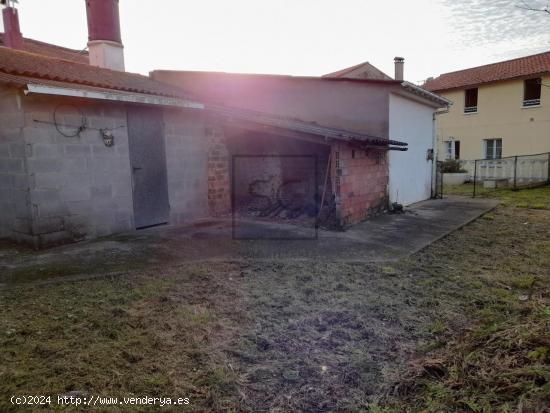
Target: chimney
104 42
12 34
399 68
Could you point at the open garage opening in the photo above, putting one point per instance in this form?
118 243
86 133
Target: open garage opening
280 179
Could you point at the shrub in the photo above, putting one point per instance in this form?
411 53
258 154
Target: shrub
452 166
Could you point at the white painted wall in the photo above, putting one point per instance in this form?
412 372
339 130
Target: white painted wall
410 173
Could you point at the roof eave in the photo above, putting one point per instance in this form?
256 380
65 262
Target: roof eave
304 127
477 84
117 96
438 100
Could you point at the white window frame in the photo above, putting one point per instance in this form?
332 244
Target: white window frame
494 148
449 149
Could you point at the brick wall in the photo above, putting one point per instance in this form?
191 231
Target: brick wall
289 159
219 189
360 180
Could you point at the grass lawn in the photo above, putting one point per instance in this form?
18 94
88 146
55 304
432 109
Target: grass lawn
536 198
461 326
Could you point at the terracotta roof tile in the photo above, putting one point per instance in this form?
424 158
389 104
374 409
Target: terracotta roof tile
52 50
32 65
509 69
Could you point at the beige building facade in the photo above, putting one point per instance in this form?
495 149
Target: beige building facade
506 115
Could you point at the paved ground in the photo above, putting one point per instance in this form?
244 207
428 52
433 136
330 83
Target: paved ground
387 237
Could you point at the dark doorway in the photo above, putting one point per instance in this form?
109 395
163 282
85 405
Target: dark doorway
148 162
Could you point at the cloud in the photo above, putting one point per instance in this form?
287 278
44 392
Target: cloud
486 23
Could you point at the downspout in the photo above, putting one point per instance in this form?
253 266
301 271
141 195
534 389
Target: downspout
435 150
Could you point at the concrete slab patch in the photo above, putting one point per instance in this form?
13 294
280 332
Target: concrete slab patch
383 238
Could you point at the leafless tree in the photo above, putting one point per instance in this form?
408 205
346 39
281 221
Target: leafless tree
527 6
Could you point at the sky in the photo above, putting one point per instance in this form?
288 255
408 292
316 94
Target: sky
304 37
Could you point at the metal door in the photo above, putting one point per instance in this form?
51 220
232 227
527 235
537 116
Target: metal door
148 162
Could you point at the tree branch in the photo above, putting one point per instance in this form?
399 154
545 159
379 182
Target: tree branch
526 6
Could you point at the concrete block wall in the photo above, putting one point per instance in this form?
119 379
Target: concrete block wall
78 187
360 180
187 164
15 210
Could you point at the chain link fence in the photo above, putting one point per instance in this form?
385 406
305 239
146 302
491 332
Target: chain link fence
514 172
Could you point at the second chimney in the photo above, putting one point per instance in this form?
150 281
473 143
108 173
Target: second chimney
399 68
12 33
104 41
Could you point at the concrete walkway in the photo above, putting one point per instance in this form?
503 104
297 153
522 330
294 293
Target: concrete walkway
384 238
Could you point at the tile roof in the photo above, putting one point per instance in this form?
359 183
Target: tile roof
509 69
23 68
361 71
229 76
298 125
52 50
22 63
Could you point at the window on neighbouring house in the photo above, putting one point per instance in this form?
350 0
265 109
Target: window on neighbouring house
453 149
449 146
531 92
470 100
493 148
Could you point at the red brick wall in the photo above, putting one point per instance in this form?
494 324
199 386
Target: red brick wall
219 191
360 180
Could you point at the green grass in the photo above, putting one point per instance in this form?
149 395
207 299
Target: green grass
113 337
500 360
461 326
534 198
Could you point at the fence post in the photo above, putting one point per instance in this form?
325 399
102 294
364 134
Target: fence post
515 171
548 177
475 177
441 174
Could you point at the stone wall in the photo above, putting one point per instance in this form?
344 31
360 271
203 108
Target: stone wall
360 180
15 210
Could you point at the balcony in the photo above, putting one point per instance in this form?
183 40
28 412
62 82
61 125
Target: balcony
531 102
470 109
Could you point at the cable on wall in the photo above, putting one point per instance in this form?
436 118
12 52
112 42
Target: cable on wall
78 129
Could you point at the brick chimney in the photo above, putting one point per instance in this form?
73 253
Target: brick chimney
399 68
12 34
104 42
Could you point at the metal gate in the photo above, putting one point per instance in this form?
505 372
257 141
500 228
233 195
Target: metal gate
148 162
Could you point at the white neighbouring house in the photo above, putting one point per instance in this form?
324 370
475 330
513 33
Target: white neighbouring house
411 118
411 173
